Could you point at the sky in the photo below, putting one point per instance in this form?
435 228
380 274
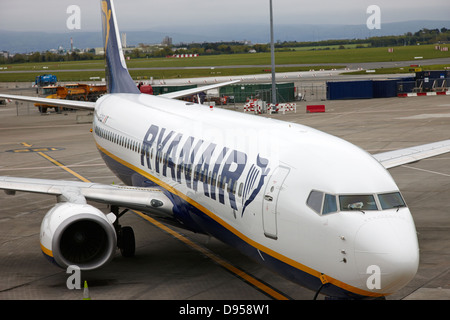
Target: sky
51 15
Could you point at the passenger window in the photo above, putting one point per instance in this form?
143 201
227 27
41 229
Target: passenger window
214 179
329 204
315 200
391 200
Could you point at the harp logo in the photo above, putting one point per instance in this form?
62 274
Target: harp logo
254 181
106 17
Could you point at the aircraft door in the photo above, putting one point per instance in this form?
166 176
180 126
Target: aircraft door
270 200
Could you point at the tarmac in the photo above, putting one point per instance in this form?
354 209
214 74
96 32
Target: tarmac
198 267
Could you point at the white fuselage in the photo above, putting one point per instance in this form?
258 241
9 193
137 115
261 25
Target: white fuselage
249 180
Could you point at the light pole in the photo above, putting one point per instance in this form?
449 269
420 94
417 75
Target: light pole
272 52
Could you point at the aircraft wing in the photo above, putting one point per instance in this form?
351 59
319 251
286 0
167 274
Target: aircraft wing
144 199
399 157
187 92
53 102
91 105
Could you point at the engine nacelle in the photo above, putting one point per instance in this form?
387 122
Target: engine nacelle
77 234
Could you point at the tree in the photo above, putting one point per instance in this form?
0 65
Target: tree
261 47
35 57
19 58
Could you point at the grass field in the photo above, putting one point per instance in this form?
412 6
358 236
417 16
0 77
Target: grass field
403 69
330 47
147 74
257 62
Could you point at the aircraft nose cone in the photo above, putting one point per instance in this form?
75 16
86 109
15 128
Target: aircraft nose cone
387 254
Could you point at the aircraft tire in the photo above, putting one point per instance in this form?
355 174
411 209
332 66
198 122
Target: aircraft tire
127 242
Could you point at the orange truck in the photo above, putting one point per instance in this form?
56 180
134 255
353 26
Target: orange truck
77 91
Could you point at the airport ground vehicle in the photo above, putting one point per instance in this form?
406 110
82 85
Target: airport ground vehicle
77 91
45 80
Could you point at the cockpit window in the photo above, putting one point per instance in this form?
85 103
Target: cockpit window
357 202
323 203
391 200
329 204
315 200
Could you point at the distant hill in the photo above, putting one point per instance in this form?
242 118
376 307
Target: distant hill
24 42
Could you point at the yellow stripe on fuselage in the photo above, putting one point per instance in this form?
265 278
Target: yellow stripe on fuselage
239 234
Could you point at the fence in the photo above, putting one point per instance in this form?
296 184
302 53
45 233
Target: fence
241 92
314 91
423 85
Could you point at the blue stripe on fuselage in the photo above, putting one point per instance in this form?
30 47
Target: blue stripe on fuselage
196 220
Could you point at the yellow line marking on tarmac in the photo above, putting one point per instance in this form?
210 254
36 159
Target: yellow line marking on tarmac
59 164
241 274
44 149
256 283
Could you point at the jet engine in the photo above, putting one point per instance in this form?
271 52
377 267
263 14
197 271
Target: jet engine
78 234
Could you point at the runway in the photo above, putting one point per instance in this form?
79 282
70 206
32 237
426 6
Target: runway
173 264
314 74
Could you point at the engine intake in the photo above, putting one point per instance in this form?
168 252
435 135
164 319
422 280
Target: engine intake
78 234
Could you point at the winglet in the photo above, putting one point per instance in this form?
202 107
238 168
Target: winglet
395 158
118 78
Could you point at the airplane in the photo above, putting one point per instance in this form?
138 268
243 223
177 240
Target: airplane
318 210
